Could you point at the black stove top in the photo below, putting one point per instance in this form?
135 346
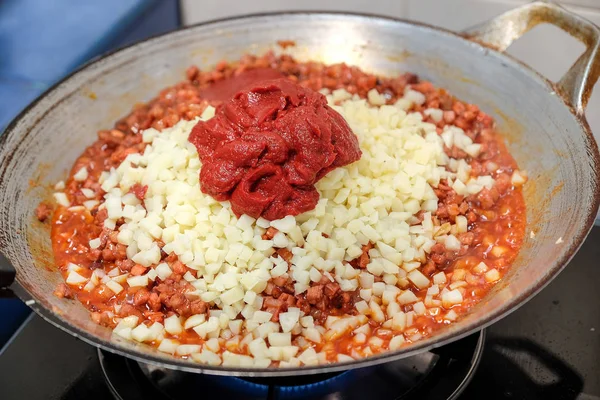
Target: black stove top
549 349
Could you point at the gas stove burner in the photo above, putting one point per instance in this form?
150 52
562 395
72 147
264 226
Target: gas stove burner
438 374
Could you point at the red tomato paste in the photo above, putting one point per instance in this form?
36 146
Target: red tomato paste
268 145
225 89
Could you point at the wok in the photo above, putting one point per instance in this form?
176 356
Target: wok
543 122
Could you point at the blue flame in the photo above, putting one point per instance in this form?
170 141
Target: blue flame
259 390
327 386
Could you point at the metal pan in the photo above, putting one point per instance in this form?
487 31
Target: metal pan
543 121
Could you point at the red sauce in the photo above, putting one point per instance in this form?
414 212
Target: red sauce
225 89
268 145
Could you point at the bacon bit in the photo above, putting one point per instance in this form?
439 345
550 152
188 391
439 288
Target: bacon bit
178 267
276 292
43 211
138 270
331 289
128 309
102 293
364 257
199 307
138 190
315 294
270 233
102 318
274 306
285 254
466 238
284 44
192 73
154 316
141 297
280 280
154 302
429 268
171 258
63 292
94 255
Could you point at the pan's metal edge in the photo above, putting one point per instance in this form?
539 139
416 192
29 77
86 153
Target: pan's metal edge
425 345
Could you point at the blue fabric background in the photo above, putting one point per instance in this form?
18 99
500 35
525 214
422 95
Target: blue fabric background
43 40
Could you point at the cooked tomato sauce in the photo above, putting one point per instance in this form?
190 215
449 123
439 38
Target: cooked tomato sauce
496 216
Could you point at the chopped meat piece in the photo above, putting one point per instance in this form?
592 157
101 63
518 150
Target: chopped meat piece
110 253
154 316
178 267
154 302
364 257
274 306
128 309
503 183
199 307
171 258
331 289
429 268
276 292
141 297
121 251
285 254
303 304
63 291
137 270
113 236
363 260
288 299
180 304
192 73
95 265
102 293
315 294
270 233
43 211
112 137
94 255
280 280
125 265
488 197
471 217
101 215
102 318
269 289
439 259
323 305
466 238
138 190
344 302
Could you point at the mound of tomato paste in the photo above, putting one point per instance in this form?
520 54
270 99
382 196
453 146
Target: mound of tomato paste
268 145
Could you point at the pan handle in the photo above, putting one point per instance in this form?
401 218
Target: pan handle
577 83
7 273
